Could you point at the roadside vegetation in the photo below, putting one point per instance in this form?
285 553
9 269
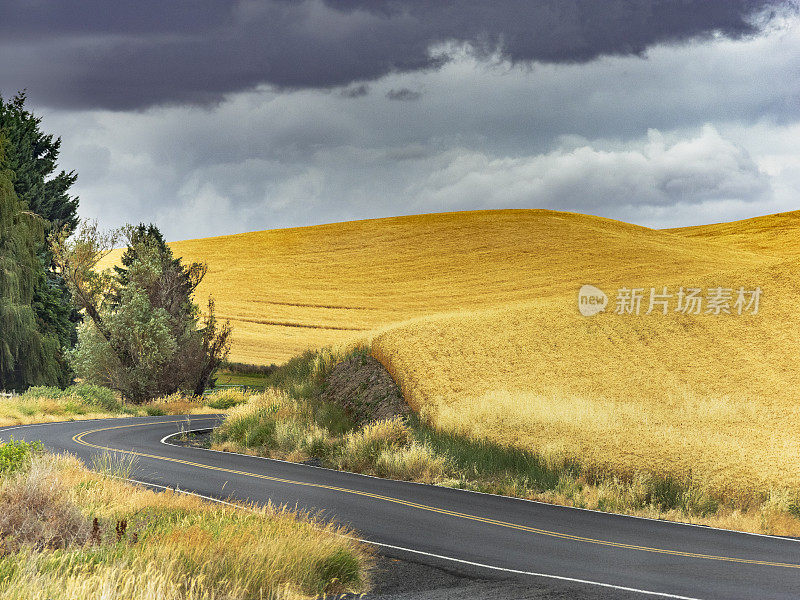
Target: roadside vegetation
290 421
67 532
86 401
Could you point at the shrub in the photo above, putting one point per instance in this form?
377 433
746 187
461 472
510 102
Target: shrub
89 394
14 455
96 395
44 391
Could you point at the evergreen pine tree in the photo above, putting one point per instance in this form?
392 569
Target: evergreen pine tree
32 156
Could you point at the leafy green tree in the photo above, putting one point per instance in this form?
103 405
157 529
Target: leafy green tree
28 356
213 351
144 336
56 316
30 159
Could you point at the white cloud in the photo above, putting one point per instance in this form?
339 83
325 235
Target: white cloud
652 173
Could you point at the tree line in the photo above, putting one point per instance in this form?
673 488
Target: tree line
135 329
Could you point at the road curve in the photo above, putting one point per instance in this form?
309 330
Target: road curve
476 533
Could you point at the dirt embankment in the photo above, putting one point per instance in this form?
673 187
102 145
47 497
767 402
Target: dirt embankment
366 391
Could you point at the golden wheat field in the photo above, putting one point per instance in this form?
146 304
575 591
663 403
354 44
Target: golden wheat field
475 315
711 397
288 290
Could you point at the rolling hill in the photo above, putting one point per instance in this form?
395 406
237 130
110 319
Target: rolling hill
707 397
290 289
771 235
475 315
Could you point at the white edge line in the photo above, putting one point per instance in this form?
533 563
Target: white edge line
591 510
439 556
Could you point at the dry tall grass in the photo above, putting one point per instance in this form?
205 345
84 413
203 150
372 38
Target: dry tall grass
171 546
277 425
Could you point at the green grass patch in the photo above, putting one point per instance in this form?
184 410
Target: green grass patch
247 369
15 455
226 399
304 378
253 382
475 459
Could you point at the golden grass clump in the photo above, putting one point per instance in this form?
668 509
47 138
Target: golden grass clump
386 448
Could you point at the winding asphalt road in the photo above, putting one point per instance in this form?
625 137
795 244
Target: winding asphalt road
485 535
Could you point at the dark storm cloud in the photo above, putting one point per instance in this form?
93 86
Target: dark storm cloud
356 91
20 19
403 94
121 56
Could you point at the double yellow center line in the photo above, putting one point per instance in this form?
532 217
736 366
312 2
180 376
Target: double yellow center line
80 439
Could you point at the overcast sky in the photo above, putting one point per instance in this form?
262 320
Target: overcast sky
214 117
